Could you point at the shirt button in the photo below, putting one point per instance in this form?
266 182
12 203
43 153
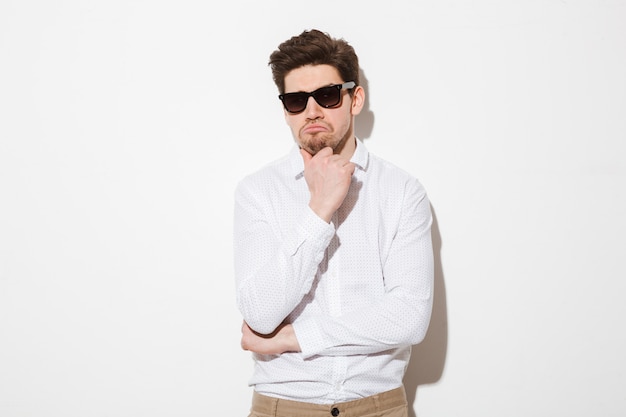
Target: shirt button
334 412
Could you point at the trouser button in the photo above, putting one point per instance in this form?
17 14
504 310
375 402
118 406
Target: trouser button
334 412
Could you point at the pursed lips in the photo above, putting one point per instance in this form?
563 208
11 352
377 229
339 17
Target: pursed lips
314 128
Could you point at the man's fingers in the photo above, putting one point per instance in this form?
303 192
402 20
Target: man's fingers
327 151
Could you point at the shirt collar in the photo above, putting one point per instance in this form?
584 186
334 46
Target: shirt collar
360 158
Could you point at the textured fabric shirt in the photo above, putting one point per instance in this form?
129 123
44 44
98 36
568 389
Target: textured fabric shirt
358 291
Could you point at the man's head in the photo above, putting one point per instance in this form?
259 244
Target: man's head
327 70
313 48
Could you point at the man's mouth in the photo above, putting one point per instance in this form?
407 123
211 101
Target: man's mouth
314 128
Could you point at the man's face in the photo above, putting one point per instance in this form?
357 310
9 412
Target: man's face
317 127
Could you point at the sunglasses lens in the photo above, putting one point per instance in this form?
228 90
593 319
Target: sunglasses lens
295 102
327 96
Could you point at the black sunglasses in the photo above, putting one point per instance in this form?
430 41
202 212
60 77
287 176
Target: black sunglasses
326 97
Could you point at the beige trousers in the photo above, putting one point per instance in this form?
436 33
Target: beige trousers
387 404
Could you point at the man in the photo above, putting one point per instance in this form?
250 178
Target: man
333 252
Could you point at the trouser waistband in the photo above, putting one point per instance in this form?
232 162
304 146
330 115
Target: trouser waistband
277 407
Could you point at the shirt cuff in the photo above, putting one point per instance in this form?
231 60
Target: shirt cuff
314 229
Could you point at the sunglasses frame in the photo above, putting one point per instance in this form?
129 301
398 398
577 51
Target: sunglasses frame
345 86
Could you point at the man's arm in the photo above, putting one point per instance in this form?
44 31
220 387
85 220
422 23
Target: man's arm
400 317
275 268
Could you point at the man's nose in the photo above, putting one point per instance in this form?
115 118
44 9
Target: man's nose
312 110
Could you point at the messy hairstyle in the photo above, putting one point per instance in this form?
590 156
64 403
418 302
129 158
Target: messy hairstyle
313 47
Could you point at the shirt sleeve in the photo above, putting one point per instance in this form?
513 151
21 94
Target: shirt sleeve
273 272
401 316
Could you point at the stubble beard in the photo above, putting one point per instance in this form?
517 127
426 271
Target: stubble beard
315 143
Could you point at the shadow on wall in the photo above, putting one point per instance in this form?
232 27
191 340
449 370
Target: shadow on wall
364 122
429 357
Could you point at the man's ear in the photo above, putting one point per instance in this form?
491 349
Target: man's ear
358 100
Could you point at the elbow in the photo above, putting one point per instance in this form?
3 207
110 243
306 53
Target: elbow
261 321
420 323
263 324
419 334
261 327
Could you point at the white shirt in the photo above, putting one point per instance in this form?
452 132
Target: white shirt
358 291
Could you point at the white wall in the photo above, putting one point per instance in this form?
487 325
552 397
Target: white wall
125 125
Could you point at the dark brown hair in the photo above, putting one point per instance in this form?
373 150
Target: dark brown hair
313 47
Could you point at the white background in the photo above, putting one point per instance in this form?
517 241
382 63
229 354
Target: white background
125 125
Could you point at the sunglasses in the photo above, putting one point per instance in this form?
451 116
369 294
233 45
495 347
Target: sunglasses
326 97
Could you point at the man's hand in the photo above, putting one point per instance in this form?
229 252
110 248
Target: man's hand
328 177
282 340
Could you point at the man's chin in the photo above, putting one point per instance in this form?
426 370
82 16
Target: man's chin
313 147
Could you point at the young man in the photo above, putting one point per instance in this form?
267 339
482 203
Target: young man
333 252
